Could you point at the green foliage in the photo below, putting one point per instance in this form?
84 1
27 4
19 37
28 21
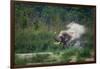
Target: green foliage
29 41
35 27
68 53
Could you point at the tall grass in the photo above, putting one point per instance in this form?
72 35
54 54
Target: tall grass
30 40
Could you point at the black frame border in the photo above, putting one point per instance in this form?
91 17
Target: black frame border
12 35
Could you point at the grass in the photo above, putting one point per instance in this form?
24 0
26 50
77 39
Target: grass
33 41
66 55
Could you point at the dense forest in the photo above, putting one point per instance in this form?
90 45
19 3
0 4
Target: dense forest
36 24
